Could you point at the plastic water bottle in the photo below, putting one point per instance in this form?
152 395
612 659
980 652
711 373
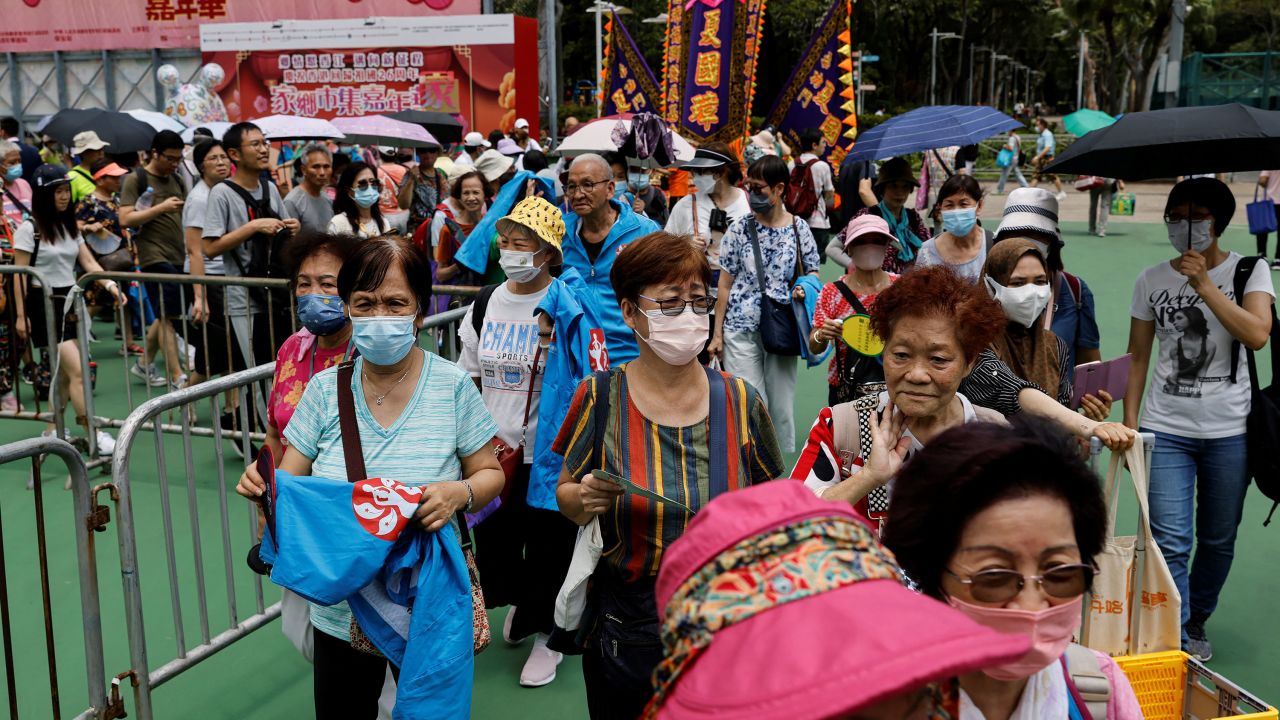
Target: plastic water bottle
145 200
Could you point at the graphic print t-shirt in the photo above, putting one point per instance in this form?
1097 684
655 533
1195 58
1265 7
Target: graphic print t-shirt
1191 393
502 357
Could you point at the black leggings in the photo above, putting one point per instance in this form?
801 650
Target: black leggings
346 682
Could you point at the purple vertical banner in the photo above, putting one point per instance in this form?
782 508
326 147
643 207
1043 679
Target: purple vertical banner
712 47
811 97
629 83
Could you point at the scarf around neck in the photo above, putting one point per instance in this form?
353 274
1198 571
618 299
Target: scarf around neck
901 228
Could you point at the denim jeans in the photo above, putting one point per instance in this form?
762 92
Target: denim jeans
1198 484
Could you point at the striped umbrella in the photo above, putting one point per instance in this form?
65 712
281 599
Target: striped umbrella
930 128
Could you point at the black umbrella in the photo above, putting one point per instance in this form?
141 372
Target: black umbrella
125 132
444 126
1177 141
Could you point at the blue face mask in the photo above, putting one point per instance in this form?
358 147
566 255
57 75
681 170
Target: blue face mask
638 181
959 222
321 314
367 198
384 339
13 173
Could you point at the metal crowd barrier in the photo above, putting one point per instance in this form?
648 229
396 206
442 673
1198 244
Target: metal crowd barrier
16 350
148 673
89 519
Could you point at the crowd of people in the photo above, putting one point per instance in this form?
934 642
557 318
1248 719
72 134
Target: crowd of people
625 398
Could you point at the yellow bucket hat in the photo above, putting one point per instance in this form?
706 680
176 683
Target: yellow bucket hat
538 216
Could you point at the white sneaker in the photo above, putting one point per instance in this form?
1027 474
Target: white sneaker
540 668
106 443
1061 196
506 627
148 374
188 351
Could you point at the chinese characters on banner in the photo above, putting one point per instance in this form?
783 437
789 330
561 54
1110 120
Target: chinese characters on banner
350 84
710 66
819 93
629 85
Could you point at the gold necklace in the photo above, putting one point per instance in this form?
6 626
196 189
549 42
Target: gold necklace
377 399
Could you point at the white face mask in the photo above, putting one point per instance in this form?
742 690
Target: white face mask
519 265
704 183
867 257
1194 235
1021 305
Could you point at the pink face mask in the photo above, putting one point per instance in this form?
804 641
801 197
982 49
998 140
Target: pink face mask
677 340
1050 631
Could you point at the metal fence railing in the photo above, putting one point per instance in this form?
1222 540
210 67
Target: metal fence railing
89 518
16 279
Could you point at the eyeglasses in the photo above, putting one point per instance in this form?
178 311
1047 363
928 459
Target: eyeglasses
256 144
673 307
997 586
366 184
171 159
586 187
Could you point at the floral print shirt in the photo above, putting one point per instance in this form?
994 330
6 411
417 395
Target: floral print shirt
293 371
778 251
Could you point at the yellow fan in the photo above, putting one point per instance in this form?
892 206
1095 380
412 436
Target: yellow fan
858 335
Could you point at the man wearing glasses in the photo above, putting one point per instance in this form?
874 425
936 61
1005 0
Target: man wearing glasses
594 233
151 200
248 224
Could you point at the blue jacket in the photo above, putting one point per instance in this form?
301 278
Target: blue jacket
575 312
334 540
804 321
628 227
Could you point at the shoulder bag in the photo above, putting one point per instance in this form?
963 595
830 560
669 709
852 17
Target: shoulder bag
779 331
1261 214
354 456
1263 425
851 431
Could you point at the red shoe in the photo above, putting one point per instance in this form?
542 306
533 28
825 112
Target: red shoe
131 349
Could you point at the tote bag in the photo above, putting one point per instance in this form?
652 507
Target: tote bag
1134 607
1261 214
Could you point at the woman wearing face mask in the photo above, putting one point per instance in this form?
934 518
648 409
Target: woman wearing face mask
324 339
715 202
673 427
784 243
866 241
507 337
355 204
420 420
1013 550
1199 396
963 244
649 200
894 185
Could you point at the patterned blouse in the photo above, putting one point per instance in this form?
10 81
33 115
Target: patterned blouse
778 250
294 369
832 306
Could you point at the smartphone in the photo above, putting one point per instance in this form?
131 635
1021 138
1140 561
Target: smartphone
630 487
1112 376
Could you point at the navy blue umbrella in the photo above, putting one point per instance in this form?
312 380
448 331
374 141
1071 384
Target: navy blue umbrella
929 128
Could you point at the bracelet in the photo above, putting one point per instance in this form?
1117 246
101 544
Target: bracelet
471 496
814 337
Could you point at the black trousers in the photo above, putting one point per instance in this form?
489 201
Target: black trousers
523 554
623 650
346 683
1262 239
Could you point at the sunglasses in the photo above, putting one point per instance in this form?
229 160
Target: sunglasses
673 307
998 585
366 184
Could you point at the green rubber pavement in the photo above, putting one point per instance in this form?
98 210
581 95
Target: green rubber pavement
262 677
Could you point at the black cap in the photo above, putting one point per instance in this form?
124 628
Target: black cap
703 158
50 175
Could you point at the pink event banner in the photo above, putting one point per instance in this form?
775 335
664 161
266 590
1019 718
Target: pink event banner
47 25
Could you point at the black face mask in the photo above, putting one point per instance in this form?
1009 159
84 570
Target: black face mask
760 203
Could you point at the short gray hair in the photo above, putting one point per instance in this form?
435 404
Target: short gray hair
7 147
593 158
308 150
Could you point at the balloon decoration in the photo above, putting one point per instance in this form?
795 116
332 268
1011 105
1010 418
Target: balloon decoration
193 103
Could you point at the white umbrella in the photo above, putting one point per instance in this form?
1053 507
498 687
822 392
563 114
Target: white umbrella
597 137
217 127
288 127
157 120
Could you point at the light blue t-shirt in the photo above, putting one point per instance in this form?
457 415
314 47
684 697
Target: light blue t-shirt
444 421
1046 140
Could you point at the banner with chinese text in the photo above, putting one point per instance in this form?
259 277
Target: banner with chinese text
47 25
487 83
819 93
629 84
710 66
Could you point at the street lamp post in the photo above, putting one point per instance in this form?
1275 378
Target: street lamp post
995 101
972 50
933 62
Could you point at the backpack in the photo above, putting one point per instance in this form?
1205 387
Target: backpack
1263 427
1090 684
480 305
802 195
851 431
266 252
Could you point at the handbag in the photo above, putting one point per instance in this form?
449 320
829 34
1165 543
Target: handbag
779 332
1123 203
1004 158
1084 183
1134 606
354 456
511 457
1261 213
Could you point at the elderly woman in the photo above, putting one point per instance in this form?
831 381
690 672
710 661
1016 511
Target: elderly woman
833 588
507 339
1200 305
1017 276
894 185
666 424
962 246
771 236
420 420
1013 550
